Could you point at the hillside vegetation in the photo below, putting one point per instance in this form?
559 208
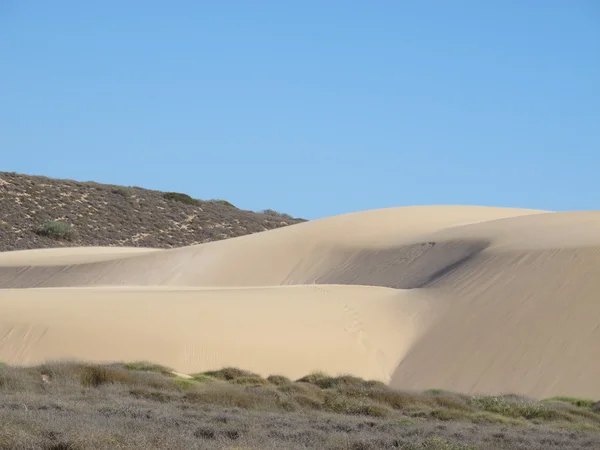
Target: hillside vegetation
39 212
73 405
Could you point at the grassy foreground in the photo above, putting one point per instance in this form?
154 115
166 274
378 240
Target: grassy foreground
68 406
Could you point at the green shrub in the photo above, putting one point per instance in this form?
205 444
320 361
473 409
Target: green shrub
182 198
122 191
95 376
336 403
144 366
229 373
273 213
203 378
398 399
314 378
345 381
435 391
446 414
185 383
56 229
222 202
515 407
278 380
579 402
452 401
253 381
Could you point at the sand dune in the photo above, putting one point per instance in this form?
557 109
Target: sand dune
291 330
67 255
299 254
471 299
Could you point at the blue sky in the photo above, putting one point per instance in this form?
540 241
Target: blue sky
313 108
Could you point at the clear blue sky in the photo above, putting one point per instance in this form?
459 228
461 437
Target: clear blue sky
310 107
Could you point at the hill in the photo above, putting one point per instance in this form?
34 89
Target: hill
94 214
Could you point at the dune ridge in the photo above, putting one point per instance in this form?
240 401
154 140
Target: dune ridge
470 299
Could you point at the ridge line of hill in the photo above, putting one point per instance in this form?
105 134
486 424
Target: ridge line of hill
43 212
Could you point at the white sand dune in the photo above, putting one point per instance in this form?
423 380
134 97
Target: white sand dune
67 255
291 330
471 299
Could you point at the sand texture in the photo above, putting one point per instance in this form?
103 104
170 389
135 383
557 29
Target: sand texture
469 299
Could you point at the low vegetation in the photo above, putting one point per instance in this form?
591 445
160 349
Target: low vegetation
273 213
73 405
222 202
183 198
41 212
56 229
123 191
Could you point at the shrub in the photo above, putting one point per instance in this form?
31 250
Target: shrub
435 391
397 399
56 229
185 383
515 407
452 401
279 380
255 381
579 402
95 375
229 373
222 202
182 198
314 378
144 366
273 213
336 403
202 378
446 414
122 191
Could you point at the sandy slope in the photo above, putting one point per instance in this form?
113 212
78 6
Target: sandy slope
291 330
471 299
67 255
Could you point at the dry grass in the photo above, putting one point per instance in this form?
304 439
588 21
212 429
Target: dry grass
74 405
40 212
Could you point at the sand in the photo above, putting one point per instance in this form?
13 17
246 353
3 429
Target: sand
469 299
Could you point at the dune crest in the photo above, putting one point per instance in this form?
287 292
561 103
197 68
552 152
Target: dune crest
472 299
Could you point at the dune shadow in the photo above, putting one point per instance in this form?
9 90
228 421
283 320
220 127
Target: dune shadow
407 267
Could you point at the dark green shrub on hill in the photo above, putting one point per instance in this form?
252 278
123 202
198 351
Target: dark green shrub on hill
182 198
56 229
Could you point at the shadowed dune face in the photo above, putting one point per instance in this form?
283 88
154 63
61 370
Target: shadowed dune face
519 322
477 300
406 267
305 253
